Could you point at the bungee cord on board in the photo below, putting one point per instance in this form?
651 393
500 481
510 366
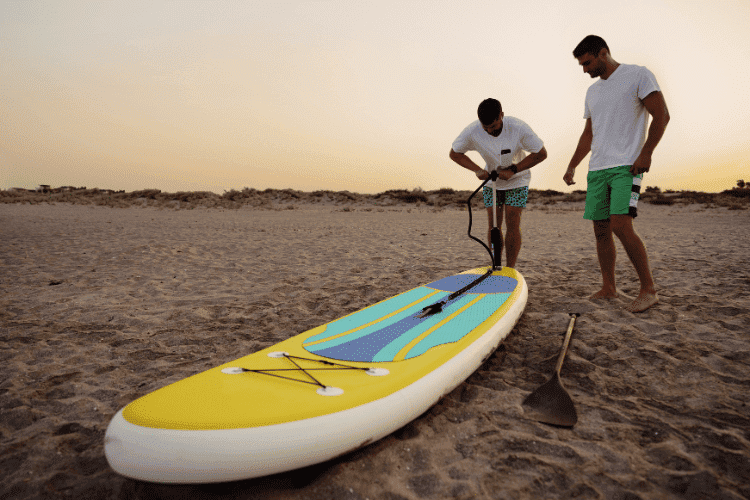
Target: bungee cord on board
275 372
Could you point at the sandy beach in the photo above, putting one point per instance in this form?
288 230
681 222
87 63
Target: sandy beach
101 305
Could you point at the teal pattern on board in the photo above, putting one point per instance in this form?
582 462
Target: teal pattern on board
385 337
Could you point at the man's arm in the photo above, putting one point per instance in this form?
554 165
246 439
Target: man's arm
657 108
531 160
468 164
584 147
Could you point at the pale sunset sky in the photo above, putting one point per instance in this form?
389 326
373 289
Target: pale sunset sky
348 95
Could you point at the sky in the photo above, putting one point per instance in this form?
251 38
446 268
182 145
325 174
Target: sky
342 95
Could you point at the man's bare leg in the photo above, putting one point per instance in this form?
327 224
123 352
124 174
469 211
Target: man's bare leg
607 253
512 234
622 226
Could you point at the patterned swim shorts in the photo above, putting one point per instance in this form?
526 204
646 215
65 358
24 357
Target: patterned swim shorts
512 197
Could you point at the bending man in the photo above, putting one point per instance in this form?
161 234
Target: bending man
502 142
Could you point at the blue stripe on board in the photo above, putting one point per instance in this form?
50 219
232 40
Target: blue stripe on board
458 327
386 337
374 313
389 338
385 327
491 284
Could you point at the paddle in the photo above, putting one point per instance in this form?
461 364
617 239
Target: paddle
550 403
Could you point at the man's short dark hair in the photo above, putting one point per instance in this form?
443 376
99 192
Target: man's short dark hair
592 44
489 110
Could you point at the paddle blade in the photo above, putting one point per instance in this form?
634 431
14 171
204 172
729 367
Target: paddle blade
551 404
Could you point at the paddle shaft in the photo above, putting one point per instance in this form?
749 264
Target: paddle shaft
566 342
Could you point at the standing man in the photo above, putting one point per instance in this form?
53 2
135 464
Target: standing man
501 141
617 109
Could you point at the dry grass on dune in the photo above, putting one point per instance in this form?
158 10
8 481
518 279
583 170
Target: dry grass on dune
280 199
270 199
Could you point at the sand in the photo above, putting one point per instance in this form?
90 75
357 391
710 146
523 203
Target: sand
99 306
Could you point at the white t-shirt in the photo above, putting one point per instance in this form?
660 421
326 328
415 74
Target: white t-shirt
500 152
618 117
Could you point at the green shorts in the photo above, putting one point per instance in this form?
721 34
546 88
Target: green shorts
512 197
614 191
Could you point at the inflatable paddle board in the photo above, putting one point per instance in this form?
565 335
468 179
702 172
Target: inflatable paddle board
320 394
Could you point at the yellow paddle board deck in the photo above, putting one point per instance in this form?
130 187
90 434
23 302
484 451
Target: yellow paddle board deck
321 393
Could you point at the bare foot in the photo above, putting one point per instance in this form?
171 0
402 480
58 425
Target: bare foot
605 294
643 302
